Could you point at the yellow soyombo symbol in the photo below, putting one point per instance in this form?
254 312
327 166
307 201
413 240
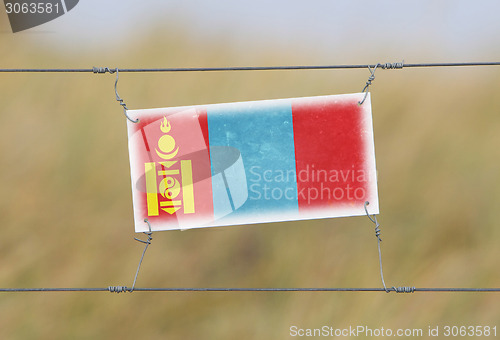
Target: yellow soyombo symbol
166 143
172 171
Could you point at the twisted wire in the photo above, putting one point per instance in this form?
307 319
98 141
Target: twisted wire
404 289
392 66
118 99
379 239
377 234
251 68
120 289
147 242
368 83
102 70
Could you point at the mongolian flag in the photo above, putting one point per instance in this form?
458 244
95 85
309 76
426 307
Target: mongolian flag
252 162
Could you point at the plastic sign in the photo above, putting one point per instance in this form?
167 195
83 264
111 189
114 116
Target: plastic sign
252 162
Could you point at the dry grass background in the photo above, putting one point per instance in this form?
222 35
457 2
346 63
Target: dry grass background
66 210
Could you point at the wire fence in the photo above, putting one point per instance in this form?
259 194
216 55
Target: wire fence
393 289
397 65
371 67
123 289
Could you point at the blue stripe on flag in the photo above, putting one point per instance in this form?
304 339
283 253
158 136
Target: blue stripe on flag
263 133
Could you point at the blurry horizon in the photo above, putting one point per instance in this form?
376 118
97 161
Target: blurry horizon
333 32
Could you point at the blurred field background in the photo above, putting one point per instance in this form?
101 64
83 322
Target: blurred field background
66 209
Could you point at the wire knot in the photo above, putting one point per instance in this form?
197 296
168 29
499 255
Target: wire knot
392 66
368 82
378 232
103 70
370 79
374 220
148 241
402 289
118 289
147 233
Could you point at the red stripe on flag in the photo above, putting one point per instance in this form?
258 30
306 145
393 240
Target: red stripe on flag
329 153
203 120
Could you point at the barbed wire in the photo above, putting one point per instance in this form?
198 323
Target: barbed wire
398 65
